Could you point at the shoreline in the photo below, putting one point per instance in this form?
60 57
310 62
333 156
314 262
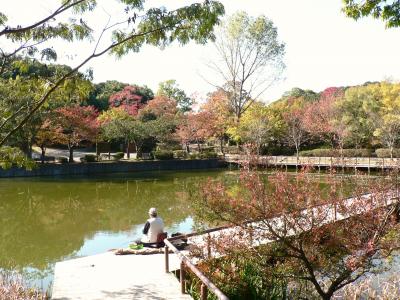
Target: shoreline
48 169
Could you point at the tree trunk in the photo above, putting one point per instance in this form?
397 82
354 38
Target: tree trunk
221 145
30 150
71 154
43 155
391 152
128 152
187 147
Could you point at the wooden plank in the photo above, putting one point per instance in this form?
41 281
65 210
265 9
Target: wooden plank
109 276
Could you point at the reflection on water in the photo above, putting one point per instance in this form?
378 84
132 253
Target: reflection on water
45 220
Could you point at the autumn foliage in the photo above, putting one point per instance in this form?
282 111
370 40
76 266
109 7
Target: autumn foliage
288 231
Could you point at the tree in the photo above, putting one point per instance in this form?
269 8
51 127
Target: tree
250 59
128 99
194 128
387 11
387 119
297 133
323 119
220 116
117 124
78 124
356 111
156 26
255 126
102 92
22 87
162 112
286 233
170 89
47 135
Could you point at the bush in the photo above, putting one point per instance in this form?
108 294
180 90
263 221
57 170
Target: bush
163 154
208 155
89 158
194 155
336 153
180 154
118 155
62 159
383 152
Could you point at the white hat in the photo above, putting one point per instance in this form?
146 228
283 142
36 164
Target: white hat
152 211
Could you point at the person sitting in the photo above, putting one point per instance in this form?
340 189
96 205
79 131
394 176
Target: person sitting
152 229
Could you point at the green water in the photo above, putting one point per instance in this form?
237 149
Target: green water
45 220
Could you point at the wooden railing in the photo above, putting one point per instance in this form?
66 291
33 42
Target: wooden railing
390 197
347 162
206 284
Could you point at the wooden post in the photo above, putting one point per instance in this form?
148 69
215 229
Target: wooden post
166 254
319 164
369 165
203 292
182 277
208 245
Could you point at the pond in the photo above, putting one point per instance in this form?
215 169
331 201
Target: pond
45 220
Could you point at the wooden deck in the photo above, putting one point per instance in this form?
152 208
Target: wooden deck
118 277
372 163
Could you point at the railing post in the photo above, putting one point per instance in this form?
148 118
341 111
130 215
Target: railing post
182 277
208 245
166 255
369 165
203 292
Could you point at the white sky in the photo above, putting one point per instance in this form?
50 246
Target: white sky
323 48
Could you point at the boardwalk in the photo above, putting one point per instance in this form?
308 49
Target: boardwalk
109 276
323 162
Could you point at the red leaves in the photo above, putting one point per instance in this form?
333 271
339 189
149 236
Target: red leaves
76 124
127 99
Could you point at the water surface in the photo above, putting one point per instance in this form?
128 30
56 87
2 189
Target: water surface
45 220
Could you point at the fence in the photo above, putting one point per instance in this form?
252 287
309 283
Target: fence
206 285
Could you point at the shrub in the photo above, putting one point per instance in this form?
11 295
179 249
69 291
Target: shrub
180 154
89 158
163 154
62 159
208 155
12 286
386 152
194 155
336 153
118 155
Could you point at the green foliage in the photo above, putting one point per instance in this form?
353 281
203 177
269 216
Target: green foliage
101 93
62 160
194 155
387 11
89 158
10 157
323 152
250 55
208 155
385 153
171 90
163 154
180 154
118 155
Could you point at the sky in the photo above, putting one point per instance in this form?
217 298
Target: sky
323 48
